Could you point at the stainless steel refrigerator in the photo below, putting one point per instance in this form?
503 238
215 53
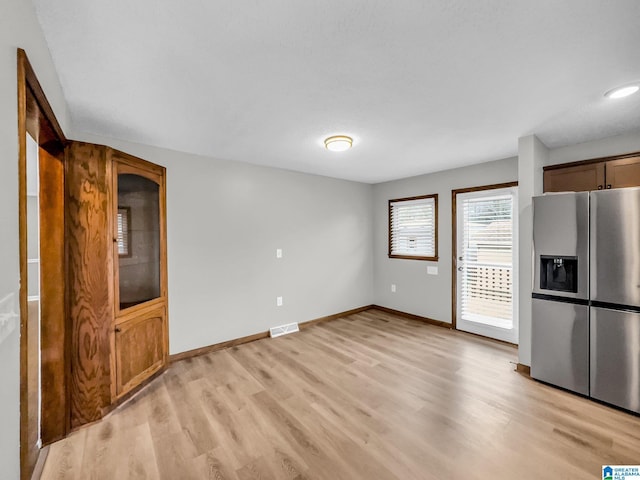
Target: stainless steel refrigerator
586 295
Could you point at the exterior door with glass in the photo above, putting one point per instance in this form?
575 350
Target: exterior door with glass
485 262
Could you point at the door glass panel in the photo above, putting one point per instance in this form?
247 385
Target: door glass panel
138 237
486 258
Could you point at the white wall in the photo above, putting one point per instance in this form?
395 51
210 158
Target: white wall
618 145
225 221
416 292
18 28
532 156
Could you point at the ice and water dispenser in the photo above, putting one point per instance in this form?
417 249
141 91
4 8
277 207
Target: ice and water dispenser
559 274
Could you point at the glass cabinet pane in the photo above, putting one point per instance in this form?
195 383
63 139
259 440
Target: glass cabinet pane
138 237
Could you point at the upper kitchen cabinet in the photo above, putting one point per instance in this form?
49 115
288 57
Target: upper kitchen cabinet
117 276
624 172
574 178
598 174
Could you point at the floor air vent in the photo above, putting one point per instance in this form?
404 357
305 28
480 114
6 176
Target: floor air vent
283 329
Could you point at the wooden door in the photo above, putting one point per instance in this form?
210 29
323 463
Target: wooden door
623 173
140 339
576 178
53 357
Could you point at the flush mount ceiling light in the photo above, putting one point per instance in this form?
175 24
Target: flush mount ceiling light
338 143
621 92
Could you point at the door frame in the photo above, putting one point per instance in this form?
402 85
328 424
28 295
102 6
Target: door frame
454 243
36 116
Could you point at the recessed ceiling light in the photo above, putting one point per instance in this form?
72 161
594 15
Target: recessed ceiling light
621 92
338 143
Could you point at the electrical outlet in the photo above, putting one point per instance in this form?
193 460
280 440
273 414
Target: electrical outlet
393 287
278 301
278 253
432 270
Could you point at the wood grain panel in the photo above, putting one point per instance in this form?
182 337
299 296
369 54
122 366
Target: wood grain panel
53 130
623 173
578 178
139 349
52 295
524 369
89 270
32 377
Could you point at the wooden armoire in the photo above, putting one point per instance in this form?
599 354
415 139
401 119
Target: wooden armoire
116 276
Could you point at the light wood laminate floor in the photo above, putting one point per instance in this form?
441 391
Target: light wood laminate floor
369 396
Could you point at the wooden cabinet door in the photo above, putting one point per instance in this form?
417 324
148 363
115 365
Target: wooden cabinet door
623 173
578 178
140 348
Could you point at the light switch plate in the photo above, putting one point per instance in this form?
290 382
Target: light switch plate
393 287
278 253
278 301
432 270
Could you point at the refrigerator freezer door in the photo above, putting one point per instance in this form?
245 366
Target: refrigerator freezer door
561 229
615 246
560 344
615 357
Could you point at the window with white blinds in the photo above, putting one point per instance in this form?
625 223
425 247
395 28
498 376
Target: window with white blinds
413 231
487 275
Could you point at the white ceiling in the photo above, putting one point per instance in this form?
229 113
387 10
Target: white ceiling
421 85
